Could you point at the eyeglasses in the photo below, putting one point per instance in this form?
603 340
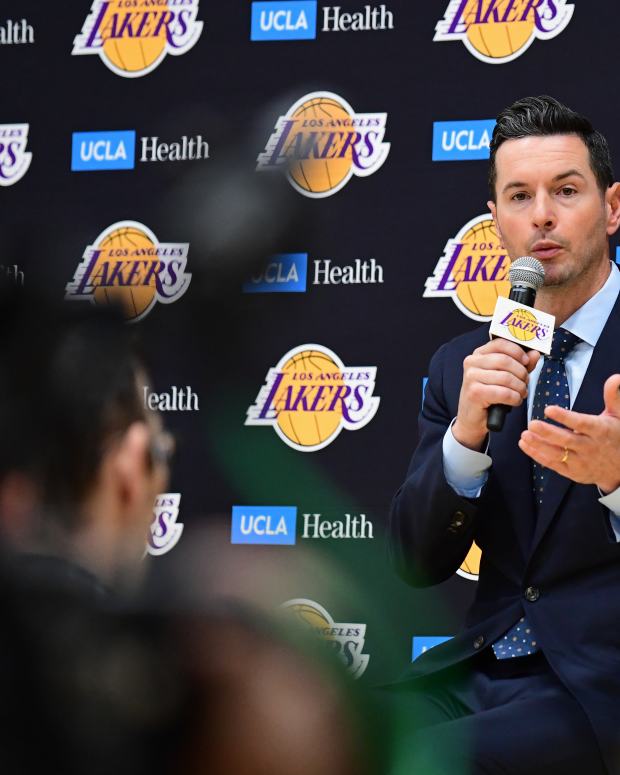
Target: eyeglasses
162 447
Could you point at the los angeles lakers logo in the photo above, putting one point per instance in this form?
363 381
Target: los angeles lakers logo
128 265
470 568
346 638
310 396
132 37
322 142
165 531
473 270
498 31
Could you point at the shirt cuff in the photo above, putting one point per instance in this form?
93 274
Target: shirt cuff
611 501
466 470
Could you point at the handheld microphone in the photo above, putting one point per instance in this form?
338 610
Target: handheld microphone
526 275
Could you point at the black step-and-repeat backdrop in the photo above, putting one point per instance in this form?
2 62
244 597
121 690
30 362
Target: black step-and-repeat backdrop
289 200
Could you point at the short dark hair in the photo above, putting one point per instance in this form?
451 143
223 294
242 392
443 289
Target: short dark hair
68 385
544 115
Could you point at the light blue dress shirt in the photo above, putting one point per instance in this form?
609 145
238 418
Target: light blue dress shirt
466 470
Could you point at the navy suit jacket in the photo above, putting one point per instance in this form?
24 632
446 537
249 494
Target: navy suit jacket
568 557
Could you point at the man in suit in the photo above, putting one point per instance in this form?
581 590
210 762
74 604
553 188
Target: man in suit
532 682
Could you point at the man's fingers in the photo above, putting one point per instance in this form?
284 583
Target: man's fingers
576 421
533 358
499 378
497 362
559 436
504 346
611 395
548 455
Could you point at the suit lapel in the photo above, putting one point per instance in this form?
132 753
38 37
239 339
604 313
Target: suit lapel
605 361
514 471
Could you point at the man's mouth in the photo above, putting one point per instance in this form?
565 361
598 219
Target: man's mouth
545 249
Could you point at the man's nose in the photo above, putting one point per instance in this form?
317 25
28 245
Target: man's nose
544 213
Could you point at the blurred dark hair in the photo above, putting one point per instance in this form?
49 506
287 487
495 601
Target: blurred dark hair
541 116
68 385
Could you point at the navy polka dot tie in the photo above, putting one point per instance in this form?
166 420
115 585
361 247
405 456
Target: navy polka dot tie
551 388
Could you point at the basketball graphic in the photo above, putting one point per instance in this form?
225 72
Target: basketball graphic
473 270
522 316
311 615
134 54
476 294
470 568
319 176
132 37
499 31
322 142
310 396
346 638
135 300
309 428
127 265
500 40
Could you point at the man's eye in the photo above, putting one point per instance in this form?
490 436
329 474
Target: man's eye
568 191
521 196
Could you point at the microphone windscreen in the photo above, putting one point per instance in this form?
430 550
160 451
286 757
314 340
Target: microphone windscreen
527 270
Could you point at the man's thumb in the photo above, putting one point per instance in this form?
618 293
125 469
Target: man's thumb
611 395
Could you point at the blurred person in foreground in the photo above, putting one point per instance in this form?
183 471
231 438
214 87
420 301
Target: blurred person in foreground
108 687
531 683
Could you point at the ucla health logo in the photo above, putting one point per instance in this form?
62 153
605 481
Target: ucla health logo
133 37
497 32
282 20
347 638
128 265
462 140
264 525
322 143
310 396
14 159
165 530
473 270
285 273
103 151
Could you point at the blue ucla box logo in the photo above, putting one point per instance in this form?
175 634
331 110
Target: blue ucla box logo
264 525
284 20
422 643
462 140
103 151
285 273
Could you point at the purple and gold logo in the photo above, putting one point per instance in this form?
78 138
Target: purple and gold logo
165 531
322 142
132 37
310 396
14 159
346 638
127 265
498 31
473 270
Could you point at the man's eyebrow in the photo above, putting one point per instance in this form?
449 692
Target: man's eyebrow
561 176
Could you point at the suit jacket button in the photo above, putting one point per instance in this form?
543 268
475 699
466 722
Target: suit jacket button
479 642
532 594
458 522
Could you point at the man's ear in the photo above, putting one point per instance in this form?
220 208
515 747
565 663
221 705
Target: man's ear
131 463
493 208
612 205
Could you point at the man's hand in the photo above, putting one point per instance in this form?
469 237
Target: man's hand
496 373
592 441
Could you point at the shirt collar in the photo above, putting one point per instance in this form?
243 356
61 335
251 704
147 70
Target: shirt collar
589 320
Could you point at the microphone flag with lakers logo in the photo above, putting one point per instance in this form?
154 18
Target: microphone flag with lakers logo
515 318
